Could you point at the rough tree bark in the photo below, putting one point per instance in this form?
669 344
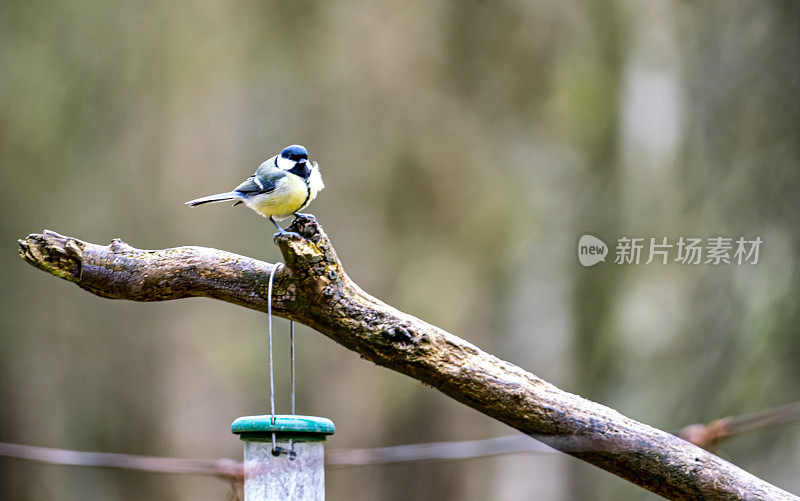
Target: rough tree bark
314 289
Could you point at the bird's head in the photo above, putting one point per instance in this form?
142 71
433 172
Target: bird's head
291 157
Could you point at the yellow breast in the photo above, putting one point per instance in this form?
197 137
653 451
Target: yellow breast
289 196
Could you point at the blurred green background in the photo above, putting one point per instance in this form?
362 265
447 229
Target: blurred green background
466 146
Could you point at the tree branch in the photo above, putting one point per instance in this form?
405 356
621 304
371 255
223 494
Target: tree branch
314 289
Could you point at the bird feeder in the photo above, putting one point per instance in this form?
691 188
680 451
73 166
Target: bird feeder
283 456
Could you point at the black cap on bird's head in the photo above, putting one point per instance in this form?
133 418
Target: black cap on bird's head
295 152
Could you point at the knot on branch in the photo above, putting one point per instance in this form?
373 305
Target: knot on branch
400 336
308 245
311 261
54 253
119 246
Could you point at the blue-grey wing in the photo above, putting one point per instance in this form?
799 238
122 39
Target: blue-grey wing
263 180
255 185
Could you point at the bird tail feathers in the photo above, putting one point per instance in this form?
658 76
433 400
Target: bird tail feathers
219 197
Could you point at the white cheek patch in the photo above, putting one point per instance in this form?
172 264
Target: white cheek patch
284 163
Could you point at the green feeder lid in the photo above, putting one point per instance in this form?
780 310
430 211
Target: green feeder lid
248 427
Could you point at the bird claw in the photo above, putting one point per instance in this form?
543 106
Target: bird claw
284 233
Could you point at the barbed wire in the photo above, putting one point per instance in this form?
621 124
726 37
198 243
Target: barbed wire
224 468
703 435
432 451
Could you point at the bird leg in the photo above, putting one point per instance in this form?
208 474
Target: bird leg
281 231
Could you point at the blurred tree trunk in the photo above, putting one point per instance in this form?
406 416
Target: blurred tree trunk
599 214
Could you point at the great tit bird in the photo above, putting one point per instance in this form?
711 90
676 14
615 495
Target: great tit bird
280 187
